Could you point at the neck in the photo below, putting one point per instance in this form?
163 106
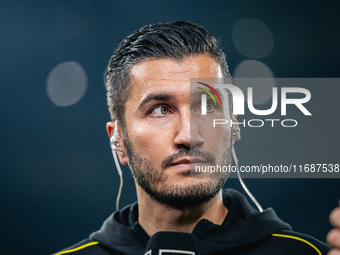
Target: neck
154 217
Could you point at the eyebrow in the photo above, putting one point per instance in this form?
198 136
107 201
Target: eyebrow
155 97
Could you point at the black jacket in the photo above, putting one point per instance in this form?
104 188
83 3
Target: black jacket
244 231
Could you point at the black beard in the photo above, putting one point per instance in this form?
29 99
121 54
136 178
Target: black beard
153 181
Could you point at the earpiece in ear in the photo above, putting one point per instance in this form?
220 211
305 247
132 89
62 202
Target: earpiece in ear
236 133
114 140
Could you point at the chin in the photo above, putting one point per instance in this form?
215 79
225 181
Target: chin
189 183
188 180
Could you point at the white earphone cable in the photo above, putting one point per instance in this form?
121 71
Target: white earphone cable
259 207
120 173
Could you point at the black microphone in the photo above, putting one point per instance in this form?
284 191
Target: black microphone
171 243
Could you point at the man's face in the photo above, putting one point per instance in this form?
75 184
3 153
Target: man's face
165 137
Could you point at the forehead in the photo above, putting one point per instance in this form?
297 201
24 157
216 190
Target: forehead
158 72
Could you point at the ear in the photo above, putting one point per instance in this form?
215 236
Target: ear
121 153
235 131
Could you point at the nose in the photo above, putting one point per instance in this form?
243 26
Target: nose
187 132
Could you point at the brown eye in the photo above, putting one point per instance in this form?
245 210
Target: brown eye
164 110
159 111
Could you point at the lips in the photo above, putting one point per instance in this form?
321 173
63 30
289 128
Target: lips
188 163
180 162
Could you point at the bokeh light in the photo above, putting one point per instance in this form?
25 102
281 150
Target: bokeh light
255 74
66 84
252 38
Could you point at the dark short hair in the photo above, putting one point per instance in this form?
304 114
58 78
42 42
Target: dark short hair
172 40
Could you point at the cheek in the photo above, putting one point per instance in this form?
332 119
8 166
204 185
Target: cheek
219 139
149 141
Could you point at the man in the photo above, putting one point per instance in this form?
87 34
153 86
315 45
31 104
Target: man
158 133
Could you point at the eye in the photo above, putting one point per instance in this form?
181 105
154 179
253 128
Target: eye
159 111
210 106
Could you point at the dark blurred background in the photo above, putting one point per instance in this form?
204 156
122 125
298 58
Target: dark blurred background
58 180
